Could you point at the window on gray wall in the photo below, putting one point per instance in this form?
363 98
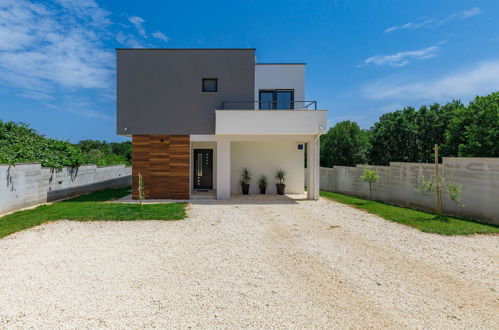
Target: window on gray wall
210 85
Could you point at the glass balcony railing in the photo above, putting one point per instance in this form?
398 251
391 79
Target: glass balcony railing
269 105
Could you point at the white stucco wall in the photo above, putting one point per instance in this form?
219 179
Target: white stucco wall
266 158
281 76
269 122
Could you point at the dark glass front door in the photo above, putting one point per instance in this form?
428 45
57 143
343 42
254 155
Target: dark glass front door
203 169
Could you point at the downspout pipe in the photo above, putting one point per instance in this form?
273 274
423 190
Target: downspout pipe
321 130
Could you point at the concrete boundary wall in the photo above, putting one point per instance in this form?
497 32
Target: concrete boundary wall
398 182
25 185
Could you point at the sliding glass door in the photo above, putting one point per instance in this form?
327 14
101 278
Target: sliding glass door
276 99
284 100
266 100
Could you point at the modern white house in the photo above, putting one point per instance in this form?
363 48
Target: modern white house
197 117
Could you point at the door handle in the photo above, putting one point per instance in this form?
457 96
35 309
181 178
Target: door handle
200 165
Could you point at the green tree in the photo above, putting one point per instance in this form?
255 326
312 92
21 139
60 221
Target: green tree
21 144
370 177
123 149
103 153
142 194
408 135
474 130
393 137
88 145
344 144
431 125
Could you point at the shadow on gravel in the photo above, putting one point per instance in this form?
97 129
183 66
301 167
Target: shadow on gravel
252 200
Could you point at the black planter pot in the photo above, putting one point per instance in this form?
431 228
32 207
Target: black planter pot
262 190
245 188
280 188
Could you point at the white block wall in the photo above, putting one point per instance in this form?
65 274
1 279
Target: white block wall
398 185
25 185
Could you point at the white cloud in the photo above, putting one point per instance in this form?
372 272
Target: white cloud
403 58
129 40
87 10
160 36
410 26
137 22
55 51
481 79
43 47
79 106
52 51
90 113
428 23
469 13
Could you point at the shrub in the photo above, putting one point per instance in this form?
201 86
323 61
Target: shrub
370 177
21 144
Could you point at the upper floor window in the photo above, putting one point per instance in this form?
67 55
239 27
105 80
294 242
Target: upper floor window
210 85
278 99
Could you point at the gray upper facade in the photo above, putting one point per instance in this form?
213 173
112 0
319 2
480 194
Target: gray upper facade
159 91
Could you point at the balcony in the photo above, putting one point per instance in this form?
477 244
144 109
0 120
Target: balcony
248 118
269 105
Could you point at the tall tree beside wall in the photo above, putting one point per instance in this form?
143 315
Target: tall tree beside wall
344 144
408 135
431 125
393 137
474 130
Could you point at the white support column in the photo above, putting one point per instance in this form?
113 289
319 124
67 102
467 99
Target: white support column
311 168
313 152
223 169
317 150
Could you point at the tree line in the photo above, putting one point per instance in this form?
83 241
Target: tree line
409 135
21 144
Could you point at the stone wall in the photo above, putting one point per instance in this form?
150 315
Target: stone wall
398 183
25 185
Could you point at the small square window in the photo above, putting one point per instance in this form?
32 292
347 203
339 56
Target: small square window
210 85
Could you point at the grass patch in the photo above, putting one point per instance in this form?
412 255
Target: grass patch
424 221
91 207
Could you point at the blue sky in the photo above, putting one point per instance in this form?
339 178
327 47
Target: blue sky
364 58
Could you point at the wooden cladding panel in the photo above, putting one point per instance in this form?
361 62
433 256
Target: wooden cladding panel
163 162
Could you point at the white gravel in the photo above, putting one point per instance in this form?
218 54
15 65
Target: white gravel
255 262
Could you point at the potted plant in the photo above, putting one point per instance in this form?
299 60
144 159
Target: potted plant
262 183
245 179
280 178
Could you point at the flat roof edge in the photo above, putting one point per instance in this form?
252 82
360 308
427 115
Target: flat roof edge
280 63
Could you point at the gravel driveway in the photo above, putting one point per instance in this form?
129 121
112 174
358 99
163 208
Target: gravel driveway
255 262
